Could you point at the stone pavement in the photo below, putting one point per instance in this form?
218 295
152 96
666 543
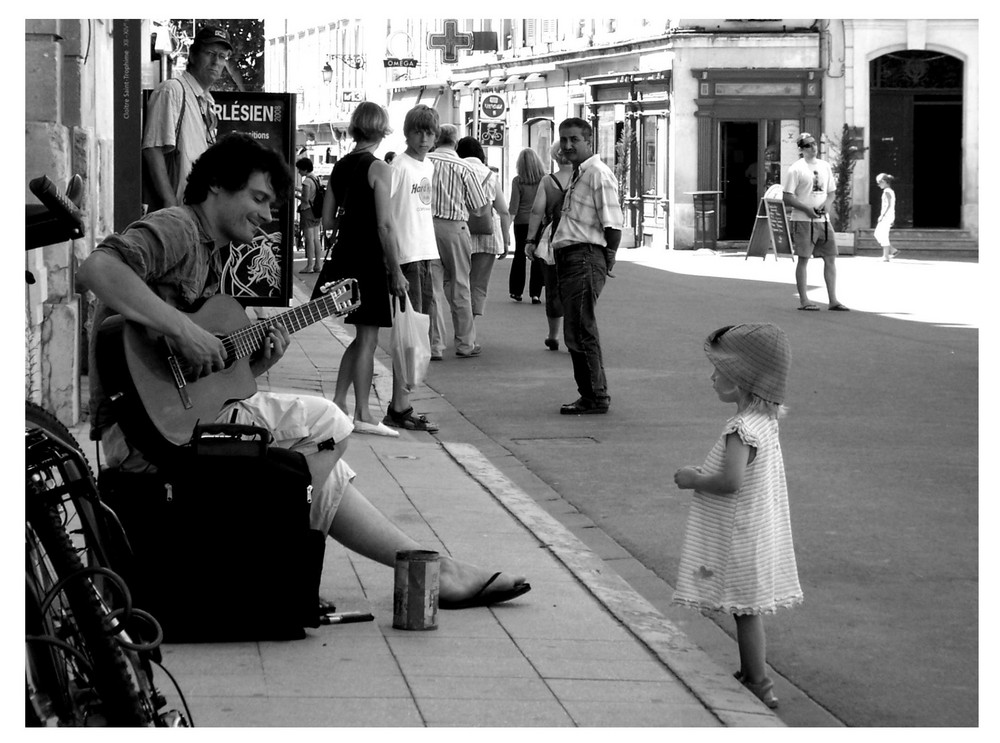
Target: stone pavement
581 649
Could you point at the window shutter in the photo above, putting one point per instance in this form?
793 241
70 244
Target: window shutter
529 32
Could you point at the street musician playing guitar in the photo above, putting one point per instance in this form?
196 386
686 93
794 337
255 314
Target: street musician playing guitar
155 273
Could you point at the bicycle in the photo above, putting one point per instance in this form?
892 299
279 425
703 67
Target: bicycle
86 660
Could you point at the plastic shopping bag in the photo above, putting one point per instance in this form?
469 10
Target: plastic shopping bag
410 343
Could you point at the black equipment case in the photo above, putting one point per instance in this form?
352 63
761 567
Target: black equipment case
219 545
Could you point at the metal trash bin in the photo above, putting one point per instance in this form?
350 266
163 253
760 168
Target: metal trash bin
706 224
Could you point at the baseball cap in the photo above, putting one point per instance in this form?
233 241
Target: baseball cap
805 139
214 35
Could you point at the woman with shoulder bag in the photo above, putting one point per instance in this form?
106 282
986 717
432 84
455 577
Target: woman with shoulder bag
357 206
491 231
544 219
530 171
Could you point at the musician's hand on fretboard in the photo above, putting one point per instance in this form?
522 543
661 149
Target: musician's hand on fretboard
272 348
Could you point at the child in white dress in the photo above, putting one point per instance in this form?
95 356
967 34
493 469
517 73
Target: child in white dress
738 555
887 216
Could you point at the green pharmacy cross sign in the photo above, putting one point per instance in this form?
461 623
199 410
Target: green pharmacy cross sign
450 41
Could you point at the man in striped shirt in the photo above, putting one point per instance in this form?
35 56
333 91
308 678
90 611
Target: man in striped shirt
584 247
456 193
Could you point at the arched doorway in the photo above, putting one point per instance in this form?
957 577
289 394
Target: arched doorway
916 135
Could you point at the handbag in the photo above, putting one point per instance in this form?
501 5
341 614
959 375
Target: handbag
482 224
150 197
410 343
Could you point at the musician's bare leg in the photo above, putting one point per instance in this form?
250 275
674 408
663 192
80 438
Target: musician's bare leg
362 528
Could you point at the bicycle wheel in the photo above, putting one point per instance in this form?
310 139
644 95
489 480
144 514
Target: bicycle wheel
52 453
77 673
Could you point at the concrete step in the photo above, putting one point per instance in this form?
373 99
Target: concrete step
940 244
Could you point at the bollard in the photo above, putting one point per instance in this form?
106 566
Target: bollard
415 592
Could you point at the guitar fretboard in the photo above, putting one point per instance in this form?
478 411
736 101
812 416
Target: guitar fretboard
246 341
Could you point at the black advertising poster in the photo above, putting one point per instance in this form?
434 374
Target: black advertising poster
260 274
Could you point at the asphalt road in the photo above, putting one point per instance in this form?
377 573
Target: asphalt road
880 444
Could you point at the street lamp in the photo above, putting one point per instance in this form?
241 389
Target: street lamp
327 73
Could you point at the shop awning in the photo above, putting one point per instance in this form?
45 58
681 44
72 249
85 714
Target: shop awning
402 101
429 96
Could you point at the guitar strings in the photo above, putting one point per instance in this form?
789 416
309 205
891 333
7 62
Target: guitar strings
246 341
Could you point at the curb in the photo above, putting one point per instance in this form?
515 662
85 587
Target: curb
714 687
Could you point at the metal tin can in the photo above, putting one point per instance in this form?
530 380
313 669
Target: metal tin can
415 591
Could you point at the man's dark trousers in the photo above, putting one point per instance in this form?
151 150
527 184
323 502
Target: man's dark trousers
581 271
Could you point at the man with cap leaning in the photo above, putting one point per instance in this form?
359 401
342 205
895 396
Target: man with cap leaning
181 121
809 189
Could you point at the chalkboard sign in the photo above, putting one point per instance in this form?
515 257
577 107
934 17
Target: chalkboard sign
770 230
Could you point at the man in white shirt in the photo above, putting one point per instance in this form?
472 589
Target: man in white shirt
809 189
584 247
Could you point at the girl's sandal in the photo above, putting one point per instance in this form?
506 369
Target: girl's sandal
764 691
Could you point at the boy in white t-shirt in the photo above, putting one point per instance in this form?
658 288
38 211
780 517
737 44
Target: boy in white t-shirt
413 218
809 189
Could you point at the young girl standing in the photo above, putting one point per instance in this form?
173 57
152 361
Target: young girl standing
738 555
887 215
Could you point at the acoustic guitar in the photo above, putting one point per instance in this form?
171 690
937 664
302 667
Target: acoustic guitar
151 385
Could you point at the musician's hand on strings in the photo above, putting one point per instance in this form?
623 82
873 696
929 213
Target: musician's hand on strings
271 350
202 350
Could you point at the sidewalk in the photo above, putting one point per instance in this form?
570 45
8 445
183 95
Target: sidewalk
581 649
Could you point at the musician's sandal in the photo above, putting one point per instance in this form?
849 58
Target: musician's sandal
408 421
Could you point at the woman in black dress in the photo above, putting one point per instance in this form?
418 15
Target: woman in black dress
357 206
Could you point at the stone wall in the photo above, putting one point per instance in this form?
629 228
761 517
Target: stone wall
67 99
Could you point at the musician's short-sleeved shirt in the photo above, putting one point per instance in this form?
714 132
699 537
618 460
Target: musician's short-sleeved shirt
173 253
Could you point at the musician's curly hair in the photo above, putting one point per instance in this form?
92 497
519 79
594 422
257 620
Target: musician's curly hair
230 162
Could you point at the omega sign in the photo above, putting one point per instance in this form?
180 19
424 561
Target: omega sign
493 106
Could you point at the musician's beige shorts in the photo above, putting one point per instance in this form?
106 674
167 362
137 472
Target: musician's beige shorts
297 422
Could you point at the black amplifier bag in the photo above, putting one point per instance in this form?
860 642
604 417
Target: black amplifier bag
219 547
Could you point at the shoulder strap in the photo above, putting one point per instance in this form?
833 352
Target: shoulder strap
180 119
556 181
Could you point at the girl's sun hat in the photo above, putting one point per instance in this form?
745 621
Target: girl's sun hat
756 356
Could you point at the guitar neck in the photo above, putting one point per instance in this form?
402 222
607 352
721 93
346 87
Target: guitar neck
246 341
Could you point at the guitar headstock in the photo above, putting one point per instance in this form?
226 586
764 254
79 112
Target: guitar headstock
344 293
